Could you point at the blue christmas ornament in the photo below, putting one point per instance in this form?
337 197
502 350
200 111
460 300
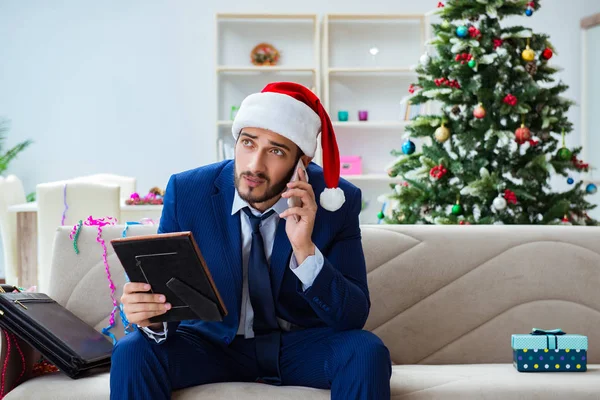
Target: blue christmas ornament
570 181
462 31
591 188
408 147
529 12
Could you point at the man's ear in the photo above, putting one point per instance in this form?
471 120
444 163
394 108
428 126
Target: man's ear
306 160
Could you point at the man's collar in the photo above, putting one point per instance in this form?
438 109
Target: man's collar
239 203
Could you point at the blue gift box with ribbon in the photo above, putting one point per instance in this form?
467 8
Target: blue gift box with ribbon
549 351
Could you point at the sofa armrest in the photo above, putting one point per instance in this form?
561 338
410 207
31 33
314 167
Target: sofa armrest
12 355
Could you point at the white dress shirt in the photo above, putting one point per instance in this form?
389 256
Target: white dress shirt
306 272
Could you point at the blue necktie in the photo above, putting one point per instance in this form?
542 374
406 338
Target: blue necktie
266 329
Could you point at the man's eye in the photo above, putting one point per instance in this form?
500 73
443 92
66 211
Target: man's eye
278 152
246 142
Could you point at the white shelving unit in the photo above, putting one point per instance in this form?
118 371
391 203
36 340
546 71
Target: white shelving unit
352 79
370 124
295 36
368 64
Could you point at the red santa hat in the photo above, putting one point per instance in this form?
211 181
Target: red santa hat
295 112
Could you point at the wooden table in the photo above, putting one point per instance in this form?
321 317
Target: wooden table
27 235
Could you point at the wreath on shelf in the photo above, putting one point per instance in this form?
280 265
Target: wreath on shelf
264 54
154 197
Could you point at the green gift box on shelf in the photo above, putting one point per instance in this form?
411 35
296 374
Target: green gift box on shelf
549 351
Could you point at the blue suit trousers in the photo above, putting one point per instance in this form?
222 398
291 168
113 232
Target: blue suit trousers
354 364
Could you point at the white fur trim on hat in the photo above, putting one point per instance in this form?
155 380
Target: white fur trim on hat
332 199
281 114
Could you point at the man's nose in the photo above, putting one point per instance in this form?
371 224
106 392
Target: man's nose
257 163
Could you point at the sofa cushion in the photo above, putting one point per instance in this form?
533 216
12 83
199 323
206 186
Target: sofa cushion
476 284
455 294
409 382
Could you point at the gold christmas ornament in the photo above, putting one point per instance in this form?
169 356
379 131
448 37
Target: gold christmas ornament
442 134
528 54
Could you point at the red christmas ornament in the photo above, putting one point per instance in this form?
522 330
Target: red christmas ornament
565 219
510 100
497 43
531 4
440 4
438 172
474 32
510 196
579 164
464 223
547 53
479 112
522 134
463 58
446 82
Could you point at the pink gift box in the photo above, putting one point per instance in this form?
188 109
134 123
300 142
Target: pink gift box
350 165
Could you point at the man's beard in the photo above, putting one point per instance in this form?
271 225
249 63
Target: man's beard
271 192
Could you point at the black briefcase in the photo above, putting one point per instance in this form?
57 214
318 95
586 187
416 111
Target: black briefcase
60 336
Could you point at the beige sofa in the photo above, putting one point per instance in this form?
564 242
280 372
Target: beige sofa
445 300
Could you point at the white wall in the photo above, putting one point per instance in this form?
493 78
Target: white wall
127 86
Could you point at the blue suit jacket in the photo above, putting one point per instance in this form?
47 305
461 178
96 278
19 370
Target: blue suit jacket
200 201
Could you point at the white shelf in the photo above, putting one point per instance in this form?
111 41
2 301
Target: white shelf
348 124
374 70
370 124
141 207
264 69
266 16
366 17
370 177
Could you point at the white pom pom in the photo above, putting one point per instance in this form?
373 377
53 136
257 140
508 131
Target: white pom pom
332 199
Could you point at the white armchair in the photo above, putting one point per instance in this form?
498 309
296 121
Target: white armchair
83 199
126 183
11 193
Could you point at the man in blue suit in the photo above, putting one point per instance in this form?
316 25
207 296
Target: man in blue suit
292 277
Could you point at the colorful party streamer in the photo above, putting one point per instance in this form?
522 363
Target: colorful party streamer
75 235
64 214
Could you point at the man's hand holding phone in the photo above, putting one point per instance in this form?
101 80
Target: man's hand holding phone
303 209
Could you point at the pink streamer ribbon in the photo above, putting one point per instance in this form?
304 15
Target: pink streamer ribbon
100 223
8 337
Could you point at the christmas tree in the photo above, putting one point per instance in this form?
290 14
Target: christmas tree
489 154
